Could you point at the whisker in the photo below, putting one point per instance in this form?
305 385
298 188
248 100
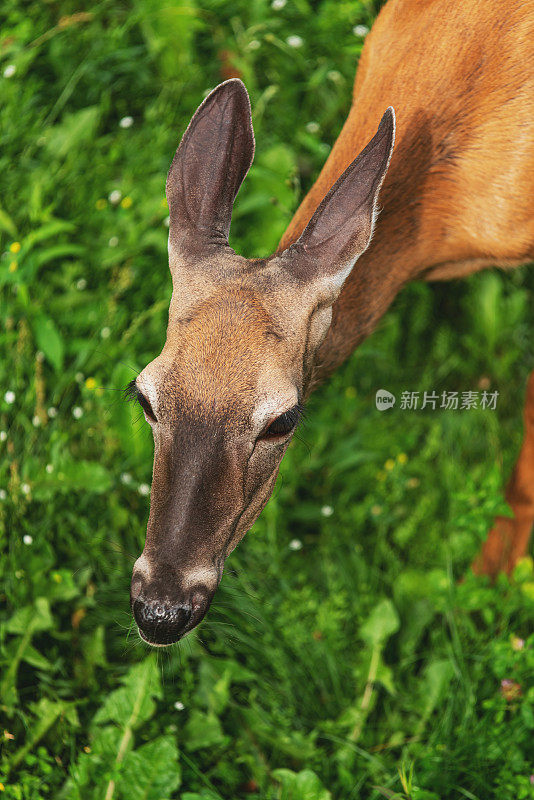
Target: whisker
117 548
124 363
130 392
239 611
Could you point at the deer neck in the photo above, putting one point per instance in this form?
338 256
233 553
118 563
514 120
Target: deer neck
379 275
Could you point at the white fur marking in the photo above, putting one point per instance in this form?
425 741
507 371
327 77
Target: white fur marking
203 575
272 407
148 388
142 566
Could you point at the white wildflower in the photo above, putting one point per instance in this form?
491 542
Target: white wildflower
126 122
77 412
81 284
3 494
105 332
27 539
143 489
52 412
36 421
126 478
49 468
312 127
115 197
3 436
295 41
10 71
327 511
113 242
25 488
9 397
179 706
295 544
277 5
360 30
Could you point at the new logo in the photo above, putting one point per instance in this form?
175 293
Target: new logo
384 400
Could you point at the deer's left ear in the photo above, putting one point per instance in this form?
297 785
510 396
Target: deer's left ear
341 228
210 164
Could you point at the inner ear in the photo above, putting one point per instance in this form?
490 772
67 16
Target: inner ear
210 164
341 228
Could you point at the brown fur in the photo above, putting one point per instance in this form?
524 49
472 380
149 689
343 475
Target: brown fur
508 539
215 354
248 338
459 194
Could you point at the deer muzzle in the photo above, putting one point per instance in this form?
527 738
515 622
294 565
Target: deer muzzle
194 499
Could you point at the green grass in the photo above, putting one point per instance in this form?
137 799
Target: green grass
358 666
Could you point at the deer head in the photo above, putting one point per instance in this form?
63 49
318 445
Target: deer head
225 395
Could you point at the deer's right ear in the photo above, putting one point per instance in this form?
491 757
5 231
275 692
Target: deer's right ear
208 168
341 227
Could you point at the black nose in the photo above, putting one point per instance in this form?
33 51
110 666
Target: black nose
160 622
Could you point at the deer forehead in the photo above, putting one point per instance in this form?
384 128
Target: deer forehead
226 358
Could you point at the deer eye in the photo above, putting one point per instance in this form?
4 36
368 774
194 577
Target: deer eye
132 392
284 424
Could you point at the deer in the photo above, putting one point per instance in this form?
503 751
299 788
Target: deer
440 140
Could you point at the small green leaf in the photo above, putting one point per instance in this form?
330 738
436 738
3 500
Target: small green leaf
35 658
151 772
304 785
436 681
132 704
49 340
7 224
37 617
58 251
382 623
52 228
46 712
205 795
203 730
86 476
73 130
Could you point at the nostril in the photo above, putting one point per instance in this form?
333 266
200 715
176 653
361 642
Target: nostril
160 622
158 611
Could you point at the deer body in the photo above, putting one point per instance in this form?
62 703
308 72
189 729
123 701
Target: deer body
248 340
459 192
